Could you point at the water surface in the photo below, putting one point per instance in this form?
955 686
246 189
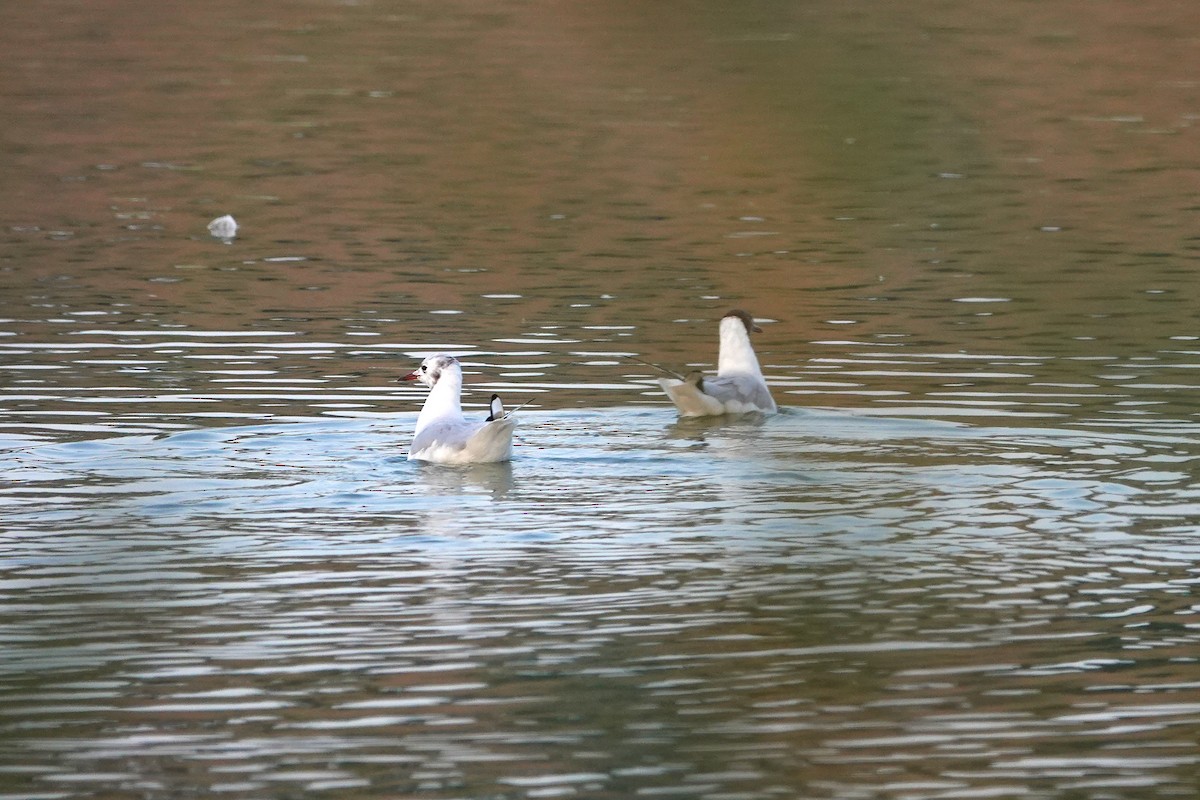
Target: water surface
961 562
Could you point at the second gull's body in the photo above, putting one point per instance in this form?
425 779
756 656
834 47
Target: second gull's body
737 388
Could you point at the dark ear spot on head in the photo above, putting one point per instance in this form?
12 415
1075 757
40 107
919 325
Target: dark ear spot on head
438 365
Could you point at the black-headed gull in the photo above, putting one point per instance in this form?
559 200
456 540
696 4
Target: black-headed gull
443 435
738 387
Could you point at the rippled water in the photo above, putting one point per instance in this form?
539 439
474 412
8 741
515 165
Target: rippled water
818 601
962 562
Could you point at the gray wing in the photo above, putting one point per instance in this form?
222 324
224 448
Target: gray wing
750 390
452 434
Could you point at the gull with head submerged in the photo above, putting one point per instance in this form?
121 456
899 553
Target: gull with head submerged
443 435
738 387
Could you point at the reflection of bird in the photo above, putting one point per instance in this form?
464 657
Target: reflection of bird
737 388
443 435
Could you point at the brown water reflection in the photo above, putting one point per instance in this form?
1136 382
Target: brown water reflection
421 157
807 146
218 573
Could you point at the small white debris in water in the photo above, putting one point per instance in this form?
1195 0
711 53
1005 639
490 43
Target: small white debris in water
223 228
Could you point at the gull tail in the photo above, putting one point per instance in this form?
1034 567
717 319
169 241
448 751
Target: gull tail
689 396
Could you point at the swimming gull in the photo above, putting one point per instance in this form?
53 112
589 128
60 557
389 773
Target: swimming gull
443 435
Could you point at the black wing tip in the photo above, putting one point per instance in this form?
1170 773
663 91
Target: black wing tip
495 408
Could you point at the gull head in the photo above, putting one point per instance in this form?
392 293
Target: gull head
745 318
432 369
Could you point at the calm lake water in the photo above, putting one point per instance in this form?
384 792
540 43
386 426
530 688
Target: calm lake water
961 562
